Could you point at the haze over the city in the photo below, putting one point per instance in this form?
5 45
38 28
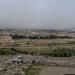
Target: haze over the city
37 14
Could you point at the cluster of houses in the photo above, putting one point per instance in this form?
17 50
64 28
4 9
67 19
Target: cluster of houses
6 40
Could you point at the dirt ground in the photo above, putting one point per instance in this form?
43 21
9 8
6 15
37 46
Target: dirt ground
54 70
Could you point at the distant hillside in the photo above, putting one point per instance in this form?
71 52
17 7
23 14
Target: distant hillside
70 28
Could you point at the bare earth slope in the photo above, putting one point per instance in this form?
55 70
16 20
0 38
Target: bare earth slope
52 70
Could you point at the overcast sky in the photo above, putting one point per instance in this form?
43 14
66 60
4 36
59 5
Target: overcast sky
37 13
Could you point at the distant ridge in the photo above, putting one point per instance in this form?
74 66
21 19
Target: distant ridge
48 29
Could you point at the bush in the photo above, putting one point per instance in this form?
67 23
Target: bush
6 51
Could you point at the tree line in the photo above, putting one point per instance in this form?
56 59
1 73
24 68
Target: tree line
51 53
39 37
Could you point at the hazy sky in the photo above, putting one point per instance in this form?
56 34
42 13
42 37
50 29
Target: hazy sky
37 13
